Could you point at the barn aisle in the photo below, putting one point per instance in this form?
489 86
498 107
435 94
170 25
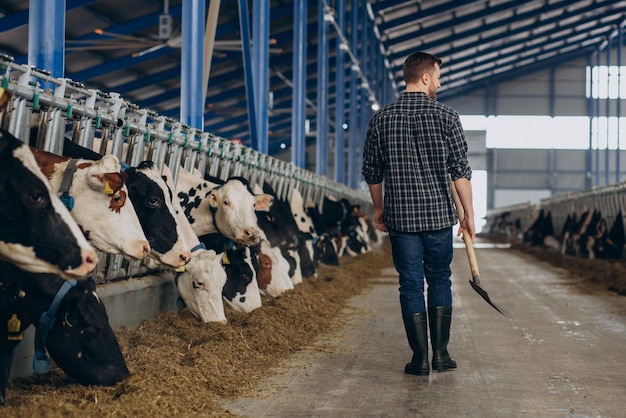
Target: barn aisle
560 354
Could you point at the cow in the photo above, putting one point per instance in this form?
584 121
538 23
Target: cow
541 228
201 281
576 233
609 245
153 202
241 290
307 234
228 207
323 247
71 323
285 239
37 232
97 195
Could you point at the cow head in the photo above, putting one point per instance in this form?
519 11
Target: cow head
201 284
80 341
241 291
224 207
37 232
153 202
100 202
83 343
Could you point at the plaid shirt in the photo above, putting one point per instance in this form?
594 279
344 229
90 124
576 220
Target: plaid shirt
412 144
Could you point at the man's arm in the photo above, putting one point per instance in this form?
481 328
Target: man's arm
464 189
376 191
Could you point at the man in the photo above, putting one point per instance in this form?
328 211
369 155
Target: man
415 145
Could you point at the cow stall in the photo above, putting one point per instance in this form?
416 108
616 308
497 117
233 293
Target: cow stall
48 112
572 223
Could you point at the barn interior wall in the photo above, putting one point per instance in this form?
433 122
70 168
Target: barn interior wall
521 175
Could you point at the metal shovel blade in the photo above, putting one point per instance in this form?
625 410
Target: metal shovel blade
476 286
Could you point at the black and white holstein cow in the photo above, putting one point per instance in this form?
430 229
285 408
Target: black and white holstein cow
590 237
223 215
97 196
202 280
37 232
241 291
71 323
152 202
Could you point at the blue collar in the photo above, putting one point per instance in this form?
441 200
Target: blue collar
41 363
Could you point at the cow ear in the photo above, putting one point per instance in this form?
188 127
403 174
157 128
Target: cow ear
263 202
213 199
97 171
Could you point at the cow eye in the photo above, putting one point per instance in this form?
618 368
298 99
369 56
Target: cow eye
37 198
154 202
226 202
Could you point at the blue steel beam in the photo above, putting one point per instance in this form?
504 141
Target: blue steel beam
46 32
298 150
261 64
321 156
244 24
353 155
192 56
340 87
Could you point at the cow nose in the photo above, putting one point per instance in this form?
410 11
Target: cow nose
146 249
251 235
90 258
185 257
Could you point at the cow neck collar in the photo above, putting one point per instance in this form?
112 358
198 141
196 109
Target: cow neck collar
66 184
41 363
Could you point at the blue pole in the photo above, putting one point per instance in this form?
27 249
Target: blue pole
192 56
620 42
46 36
244 25
365 103
261 65
340 87
353 164
321 157
298 139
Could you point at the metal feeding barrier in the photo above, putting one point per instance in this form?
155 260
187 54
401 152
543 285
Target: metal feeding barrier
610 200
108 124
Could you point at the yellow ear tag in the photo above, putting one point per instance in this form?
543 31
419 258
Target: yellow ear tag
13 327
107 189
225 259
180 269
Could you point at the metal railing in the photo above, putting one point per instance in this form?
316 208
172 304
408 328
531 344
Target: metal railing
107 123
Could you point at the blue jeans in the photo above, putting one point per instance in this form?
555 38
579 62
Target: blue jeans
423 254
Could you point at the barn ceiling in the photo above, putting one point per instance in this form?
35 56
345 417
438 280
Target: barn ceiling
481 42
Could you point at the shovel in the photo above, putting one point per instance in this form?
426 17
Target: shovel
471 255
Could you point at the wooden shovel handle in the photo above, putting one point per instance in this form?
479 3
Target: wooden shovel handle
469 246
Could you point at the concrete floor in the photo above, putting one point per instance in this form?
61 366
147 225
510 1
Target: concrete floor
562 353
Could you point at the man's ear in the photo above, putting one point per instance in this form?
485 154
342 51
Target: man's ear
425 78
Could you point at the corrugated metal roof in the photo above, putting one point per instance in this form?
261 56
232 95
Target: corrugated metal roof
481 42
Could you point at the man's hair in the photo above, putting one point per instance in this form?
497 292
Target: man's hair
417 64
